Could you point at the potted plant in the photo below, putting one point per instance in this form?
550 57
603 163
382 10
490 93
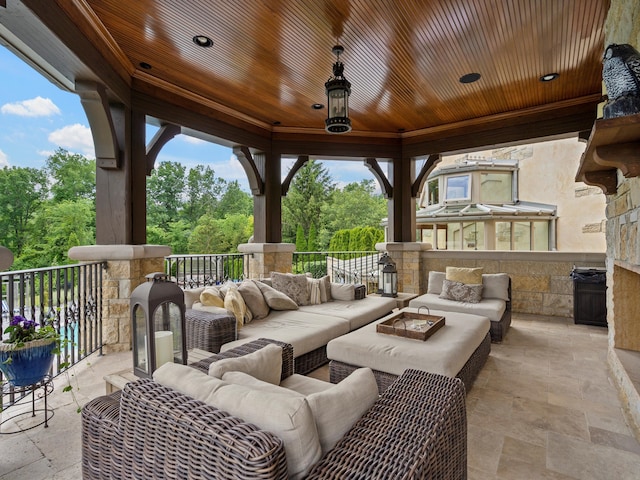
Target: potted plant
27 354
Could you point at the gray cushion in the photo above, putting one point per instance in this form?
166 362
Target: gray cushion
461 292
254 299
275 299
264 364
435 282
295 287
496 285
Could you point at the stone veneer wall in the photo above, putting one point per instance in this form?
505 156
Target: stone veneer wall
263 258
623 247
127 267
540 281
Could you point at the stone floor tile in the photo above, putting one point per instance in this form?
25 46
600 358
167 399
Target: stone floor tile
612 420
513 468
554 418
620 441
484 449
585 460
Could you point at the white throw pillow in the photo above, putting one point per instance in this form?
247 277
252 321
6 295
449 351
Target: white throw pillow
337 409
264 364
192 295
287 416
315 297
343 291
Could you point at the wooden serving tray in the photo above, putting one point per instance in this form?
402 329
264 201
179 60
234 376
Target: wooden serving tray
411 325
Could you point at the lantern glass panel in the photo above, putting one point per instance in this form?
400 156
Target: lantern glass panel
140 353
338 103
167 325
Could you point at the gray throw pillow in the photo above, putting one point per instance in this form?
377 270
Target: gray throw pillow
296 287
461 292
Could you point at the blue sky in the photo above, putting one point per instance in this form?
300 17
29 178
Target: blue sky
37 117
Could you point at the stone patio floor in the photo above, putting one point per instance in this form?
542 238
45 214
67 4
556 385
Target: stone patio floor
543 407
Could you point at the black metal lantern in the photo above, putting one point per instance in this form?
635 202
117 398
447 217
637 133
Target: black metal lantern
158 324
338 90
390 280
384 259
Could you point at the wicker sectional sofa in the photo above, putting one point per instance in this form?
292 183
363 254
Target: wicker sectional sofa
308 329
416 429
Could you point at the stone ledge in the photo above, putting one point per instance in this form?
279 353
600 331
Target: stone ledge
118 252
266 247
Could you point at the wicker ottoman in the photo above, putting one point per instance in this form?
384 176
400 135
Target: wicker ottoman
459 349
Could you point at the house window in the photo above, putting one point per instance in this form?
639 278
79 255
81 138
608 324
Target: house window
433 195
496 187
540 236
458 188
522 236
473 236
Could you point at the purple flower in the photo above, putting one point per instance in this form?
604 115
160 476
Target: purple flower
17 320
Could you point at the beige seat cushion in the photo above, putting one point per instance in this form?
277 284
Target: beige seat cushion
305 385
488 307
357 313
445 352
304 331
264 364
285 414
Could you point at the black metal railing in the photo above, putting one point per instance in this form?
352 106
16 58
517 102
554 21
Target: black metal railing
342 267
68 297
191 271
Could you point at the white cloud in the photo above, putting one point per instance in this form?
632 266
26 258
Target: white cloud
191 140
35 107
74 137
4 160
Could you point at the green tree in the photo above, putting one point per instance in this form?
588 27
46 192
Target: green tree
310 189
22 191
341 214
73 176
220 235
234 201
57 227
165 188
301 242
312 244
203 190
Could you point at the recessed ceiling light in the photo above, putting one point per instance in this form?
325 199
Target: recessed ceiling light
202 41
549 76
317 106
277 122
145 65
470 78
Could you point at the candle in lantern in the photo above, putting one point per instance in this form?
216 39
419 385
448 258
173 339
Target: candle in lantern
164 347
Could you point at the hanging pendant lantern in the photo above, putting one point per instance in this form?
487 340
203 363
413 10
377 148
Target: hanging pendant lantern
338 90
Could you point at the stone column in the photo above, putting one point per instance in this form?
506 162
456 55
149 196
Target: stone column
127 266
408 261
264 258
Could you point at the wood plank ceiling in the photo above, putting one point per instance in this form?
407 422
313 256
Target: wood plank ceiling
404 58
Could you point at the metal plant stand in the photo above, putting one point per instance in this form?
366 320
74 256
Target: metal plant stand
38 390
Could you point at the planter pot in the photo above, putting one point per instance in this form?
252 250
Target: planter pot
29 364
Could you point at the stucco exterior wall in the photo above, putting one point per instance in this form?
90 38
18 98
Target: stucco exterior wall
547 175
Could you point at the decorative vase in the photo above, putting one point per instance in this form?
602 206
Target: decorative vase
28 364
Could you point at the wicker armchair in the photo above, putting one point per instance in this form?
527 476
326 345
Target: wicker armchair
417 429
